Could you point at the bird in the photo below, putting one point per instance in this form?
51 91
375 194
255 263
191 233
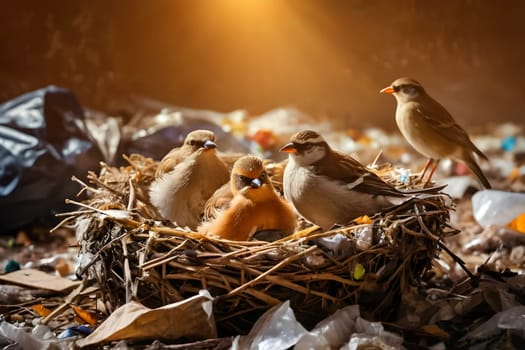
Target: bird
255 206
221 199
186 177
218 202
431 130
329 188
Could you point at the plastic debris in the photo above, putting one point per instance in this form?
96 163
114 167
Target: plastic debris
494 237
156 135
456 185
40 338
43 143
364 237
276 329
345 329
338 245
404 176
518 223
332 332
11 266
75 331
508 143
491 207
359 272
510 319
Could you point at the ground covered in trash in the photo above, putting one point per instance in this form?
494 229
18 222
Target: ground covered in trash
473 297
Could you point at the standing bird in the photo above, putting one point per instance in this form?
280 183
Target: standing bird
430 128
186 177
327 187
255 206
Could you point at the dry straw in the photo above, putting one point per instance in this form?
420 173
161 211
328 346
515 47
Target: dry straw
133 255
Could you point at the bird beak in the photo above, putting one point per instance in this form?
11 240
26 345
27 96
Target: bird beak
387 90
256 183
209 144
289 148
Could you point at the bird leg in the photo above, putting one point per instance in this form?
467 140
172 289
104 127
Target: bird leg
422 175
431 172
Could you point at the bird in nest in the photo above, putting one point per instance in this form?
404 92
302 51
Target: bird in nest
255 206
186 178
330 188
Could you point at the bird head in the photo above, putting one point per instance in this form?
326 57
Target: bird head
306 147
249 178
404 89
200 140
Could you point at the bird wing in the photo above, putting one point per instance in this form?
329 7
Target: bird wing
170 160
446 126
349 171
218 202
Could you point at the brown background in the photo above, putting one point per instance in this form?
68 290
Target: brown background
328 58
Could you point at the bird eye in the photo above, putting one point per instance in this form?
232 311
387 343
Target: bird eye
304 146
409 90
192 142
244 180
263 175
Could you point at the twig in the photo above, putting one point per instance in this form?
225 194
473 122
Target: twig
276 267
442 245
67 301
127 271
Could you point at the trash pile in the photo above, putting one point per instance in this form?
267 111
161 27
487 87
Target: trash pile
440 270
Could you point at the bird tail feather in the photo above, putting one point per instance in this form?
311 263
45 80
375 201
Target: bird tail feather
476 170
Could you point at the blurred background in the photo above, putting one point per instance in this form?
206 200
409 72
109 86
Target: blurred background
328 58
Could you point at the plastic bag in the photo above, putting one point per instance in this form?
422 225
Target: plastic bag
42 144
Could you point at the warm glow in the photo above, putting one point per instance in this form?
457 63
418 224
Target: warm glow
272 48
327 58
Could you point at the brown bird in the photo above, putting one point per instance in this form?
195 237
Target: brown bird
186 177
221 199
327 187
431 130
218 202
255 206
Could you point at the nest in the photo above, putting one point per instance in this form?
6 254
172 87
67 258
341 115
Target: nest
131 254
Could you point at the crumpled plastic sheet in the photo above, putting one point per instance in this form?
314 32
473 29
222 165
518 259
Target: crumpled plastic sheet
154 136
346 330
278 329
338 245
107 133
40 338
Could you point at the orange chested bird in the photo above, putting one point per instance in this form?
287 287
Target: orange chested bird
255 206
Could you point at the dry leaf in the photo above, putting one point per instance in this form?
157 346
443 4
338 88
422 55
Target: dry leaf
435 331
191 318
86 316
41 310
363 220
